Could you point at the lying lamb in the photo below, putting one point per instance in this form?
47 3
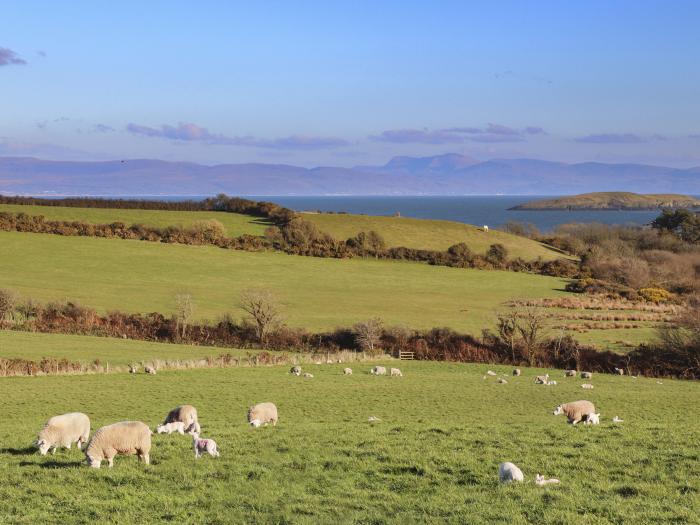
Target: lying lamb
395 372
542 380
508 472
551 383
516 372
186 414
169 428
295 370
502 381
491 373
126 438
586 375
575 411
63 431
592 419
617 420
541 480
347 371
262 414
203 445
307 375
587 386
570 373
378 371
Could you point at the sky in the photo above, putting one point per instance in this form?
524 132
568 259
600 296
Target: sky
347 83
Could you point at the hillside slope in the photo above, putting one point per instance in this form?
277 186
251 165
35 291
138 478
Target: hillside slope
613 201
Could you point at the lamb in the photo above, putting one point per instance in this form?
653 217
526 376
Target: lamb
575 411
149 370
586 375
186 414
587 386
570 373
486 228
395 372
262 414
307 375
295 371
169 428
347 371
516 372
619 371
502 381
541 480
63 431
617 420
378 371
126 438
542 380
491 373
592 419
508 472
203 445
551 383
133 369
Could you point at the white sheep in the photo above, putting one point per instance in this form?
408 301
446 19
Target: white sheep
619 371
617 420
491 373
541 480
204 445
169 428
63 431
542 380
308 375
570 373
586 375
508 472
502 381
149 370
516 372
347 371
373 419
486 228
551 383
587 386
126 438
378 371
186 414
592 419
295 370
575 411
395 372
262 414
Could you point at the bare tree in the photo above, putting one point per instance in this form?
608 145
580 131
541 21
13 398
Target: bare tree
530 326
8 300
368 333
184 311
508 330
264 310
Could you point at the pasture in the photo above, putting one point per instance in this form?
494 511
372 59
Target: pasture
433 457
236 224
430 234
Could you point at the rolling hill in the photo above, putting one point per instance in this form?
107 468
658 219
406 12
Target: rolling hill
613 201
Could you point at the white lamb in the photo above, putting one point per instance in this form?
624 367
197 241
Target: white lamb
149 370
617 420
187 414
587 386
541 480
378 371
502 381
307 375
295 370
542 380
63 431
169 428
347 371
592 419
203 445
508 472
551 383
491 373
395 372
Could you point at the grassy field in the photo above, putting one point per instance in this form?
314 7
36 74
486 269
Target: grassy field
235 224
86 349
433 457
429 234
317 293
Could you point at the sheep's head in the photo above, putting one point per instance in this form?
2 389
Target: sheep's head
558 411
255 422
160 429
593 419
43 446
92 462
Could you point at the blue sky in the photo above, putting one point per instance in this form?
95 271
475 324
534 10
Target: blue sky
346 83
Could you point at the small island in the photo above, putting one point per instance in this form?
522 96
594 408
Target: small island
613 201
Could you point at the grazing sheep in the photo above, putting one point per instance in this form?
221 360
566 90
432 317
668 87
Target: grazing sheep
307 375
149 370
262 414
570 373
187 414
592 419
541 480
378 371
617 420
491 373
395 372
575 411
169 428
542 380
63 431
508 472
133 369
204 445
516 372
586 375
347 371
619 371
126 438
502 381
295 370
587 386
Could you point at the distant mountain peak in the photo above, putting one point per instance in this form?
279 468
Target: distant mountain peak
445 162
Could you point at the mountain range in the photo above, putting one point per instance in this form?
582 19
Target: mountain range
449 174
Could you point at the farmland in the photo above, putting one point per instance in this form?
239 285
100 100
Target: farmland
432 457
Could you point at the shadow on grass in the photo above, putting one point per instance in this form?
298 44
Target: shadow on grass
18 451
52 464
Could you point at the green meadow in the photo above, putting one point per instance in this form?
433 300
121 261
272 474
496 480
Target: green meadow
432 457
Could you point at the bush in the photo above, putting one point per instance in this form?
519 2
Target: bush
655 295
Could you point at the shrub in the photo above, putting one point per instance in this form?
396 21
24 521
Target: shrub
655 295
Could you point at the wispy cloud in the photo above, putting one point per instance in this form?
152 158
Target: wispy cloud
417 136
10 58
102 128
188 132
492 133
612 138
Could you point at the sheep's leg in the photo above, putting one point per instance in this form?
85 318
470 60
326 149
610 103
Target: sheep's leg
146 459
53 450
110 462
68 445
